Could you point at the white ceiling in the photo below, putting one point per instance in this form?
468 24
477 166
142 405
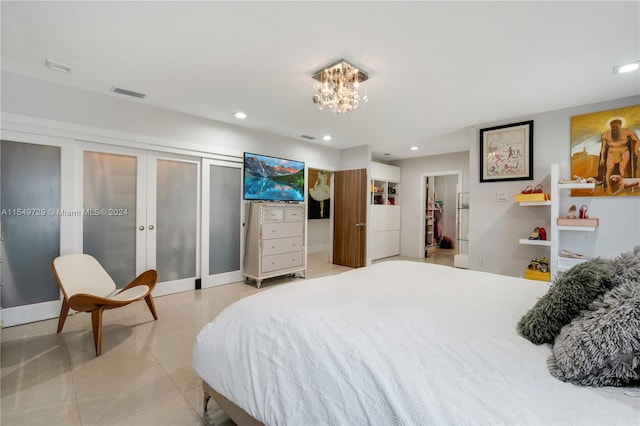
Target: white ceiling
436 67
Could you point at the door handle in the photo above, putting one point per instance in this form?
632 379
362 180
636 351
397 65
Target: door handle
151 227
141 228
359 225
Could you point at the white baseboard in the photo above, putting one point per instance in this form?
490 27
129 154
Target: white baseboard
30 313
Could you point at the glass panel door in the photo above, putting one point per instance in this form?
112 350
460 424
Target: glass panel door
109 212
222 215
176 211
30 194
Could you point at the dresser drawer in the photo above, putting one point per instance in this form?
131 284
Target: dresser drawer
281 230
294 215
273 214
281 245
281 261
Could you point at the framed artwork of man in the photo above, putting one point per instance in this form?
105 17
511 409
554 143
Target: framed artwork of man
605 148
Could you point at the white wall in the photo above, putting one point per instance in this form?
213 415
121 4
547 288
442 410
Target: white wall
496 227
355 158
409 194
318 235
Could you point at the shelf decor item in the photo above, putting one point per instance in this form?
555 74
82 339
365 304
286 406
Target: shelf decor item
506 152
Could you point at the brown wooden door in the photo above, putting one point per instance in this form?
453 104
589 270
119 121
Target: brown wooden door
350 221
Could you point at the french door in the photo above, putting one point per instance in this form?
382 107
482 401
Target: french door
141 211
35 172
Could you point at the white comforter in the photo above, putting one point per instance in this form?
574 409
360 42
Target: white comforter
396 343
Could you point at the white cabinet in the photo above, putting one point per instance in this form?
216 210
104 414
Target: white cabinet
385 223
385 211
274 240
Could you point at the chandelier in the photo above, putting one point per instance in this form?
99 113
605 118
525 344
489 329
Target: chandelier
337 87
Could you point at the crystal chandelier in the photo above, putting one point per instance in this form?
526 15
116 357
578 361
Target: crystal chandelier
337 87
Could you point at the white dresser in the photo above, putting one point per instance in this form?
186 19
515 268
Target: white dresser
274 240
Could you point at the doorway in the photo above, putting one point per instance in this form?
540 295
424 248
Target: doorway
439 213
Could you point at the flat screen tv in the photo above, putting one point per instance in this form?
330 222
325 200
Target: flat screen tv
272 179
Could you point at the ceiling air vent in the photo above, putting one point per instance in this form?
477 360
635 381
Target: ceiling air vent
57 66
307 137
128 93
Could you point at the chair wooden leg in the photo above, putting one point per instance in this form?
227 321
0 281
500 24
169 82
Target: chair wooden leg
96 322
151 305
64 311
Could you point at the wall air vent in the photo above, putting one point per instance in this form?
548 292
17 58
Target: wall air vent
307 137
128 93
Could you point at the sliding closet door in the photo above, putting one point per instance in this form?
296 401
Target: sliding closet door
30 202
146 215
172 218
222 240
110 189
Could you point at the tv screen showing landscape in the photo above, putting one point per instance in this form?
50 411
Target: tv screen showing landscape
272 179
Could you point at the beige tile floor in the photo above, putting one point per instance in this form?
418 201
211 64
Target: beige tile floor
144 375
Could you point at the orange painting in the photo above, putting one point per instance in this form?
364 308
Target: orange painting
605 148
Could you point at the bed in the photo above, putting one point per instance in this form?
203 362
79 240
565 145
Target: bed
398 342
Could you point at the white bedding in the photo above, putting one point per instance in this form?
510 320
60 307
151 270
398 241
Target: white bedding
398 342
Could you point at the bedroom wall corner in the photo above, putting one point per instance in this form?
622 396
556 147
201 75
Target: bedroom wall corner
495 227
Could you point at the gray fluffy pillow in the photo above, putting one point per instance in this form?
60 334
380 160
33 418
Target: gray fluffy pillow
570 294
626 266
602 346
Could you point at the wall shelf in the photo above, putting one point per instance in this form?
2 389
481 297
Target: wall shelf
535 203
565 263
535 242
558 263
577 228
576 186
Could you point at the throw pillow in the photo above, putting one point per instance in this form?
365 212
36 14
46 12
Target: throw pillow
626 266
602 346
571 293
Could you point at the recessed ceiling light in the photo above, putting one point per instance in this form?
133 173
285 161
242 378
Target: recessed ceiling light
413 148
57 66
626 68
240 115
326 138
